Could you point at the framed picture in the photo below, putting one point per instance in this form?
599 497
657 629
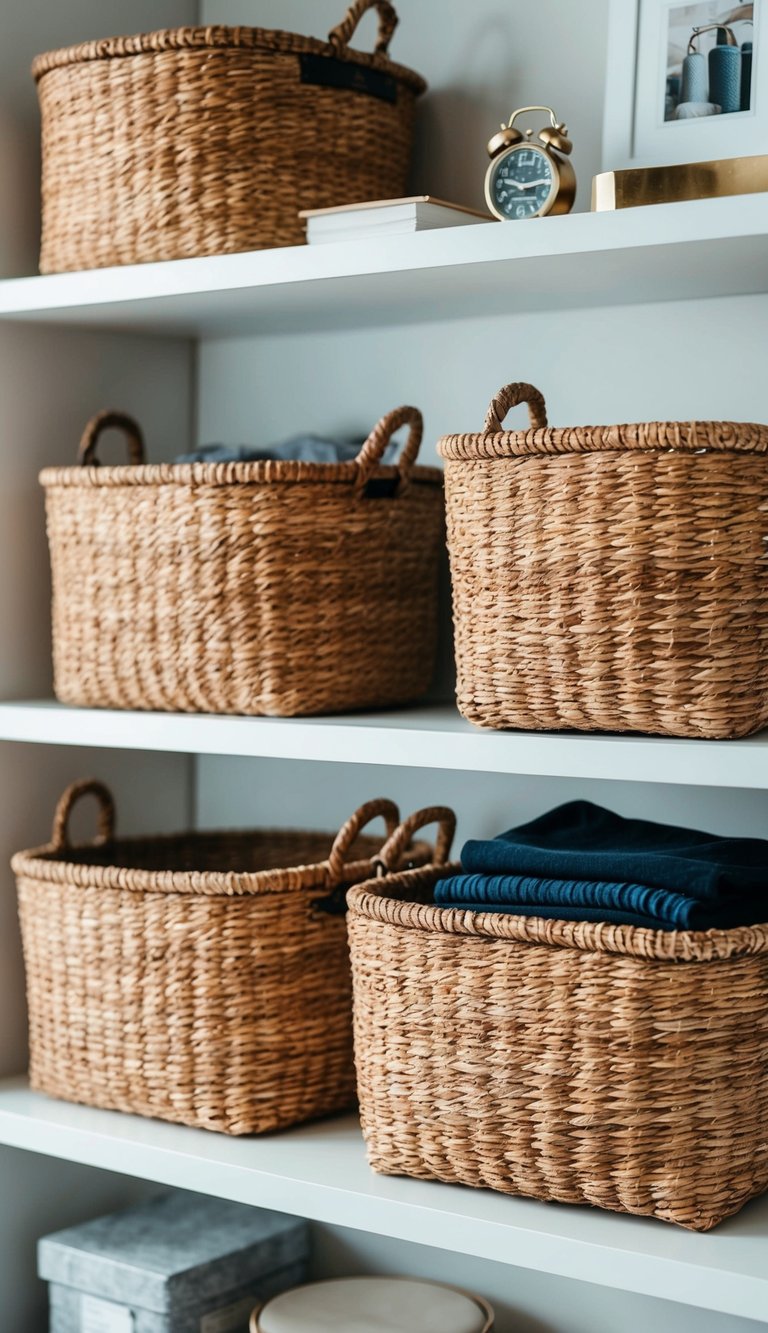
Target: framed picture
686 82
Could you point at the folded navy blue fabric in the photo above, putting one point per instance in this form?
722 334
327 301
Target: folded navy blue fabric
580 900
583 842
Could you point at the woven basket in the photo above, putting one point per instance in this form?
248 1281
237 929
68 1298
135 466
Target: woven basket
610 578
199 141
559 1060
193 978
275 588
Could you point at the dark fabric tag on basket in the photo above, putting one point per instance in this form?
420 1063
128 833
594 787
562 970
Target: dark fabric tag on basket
330 73
381 488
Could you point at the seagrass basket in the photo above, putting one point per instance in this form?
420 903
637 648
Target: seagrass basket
200 978
200 141
277 588
610 578
559 1060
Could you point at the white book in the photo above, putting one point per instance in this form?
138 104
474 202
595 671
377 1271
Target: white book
387 217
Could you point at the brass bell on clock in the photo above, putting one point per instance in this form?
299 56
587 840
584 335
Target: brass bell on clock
530 180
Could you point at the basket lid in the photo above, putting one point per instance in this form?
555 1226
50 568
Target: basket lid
641 437
365 1304
160 1255
221 37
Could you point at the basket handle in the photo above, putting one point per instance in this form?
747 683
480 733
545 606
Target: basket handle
391 853
109 420
342 35
67 803
510 396
371 453
337 859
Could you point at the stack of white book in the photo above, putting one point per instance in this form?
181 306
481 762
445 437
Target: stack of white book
387 217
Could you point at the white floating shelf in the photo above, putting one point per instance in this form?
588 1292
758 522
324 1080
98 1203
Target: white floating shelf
320 1172
427 737
709 247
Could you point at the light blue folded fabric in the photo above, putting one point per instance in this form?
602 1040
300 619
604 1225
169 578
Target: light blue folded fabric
300 448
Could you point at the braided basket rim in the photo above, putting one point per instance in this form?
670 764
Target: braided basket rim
386 901
742 437
53 865
218 37
59 865
267 472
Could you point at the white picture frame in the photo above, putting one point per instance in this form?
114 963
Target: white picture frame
635 133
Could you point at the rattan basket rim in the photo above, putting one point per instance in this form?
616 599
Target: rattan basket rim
57 865
743 437
386 901
268 472
214 38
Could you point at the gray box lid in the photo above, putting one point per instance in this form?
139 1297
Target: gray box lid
172 1252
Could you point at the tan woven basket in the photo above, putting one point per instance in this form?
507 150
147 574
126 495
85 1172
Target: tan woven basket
193 978
274 588
199 141
560 1060
610 578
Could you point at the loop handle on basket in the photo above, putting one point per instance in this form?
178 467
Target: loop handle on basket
109 420
510 396
371 453
337 859
67 803
390 855
342 35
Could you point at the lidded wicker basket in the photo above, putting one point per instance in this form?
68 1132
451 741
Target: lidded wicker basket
200 141
277 588
610 578
558 1060
197 978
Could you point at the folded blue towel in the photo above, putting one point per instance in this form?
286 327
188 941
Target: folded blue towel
579 900
583 863
581 841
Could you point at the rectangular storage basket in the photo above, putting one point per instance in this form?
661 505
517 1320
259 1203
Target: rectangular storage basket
578 1062
201 141
197 978
610 578
277 588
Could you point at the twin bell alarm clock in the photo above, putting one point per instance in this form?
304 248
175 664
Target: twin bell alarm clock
530 180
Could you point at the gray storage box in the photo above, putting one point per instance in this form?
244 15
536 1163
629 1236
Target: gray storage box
181 1263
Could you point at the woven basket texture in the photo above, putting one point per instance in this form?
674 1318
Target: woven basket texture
277 588
199 141
583 1063
193 978
610 578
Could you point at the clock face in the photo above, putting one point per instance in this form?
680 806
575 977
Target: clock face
521 182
